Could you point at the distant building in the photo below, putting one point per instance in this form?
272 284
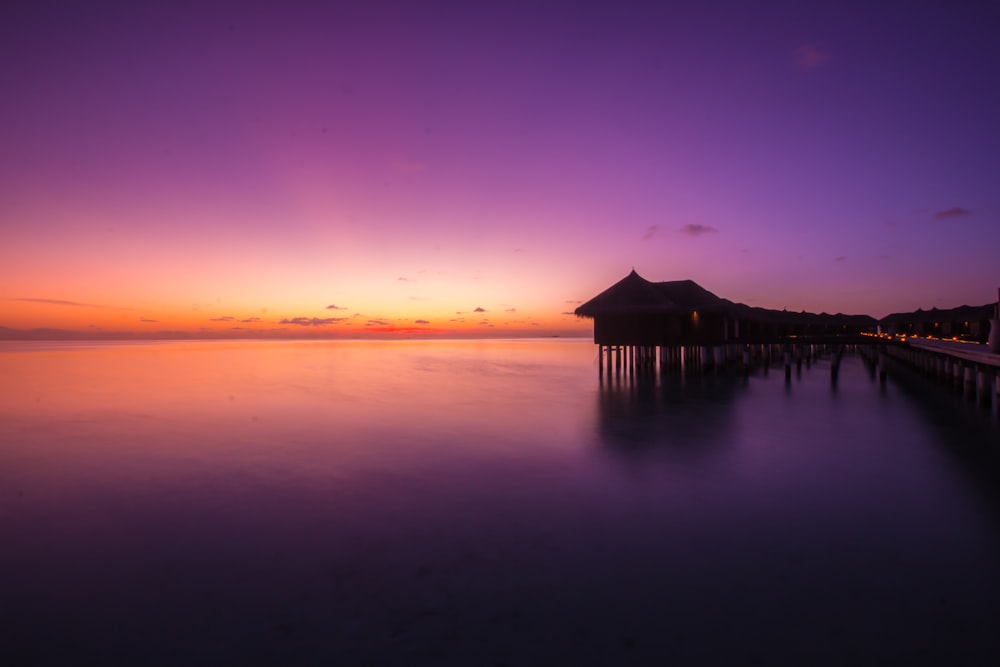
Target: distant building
635 311
964 322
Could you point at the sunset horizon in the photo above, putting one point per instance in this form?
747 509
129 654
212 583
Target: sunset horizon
454 333
388 170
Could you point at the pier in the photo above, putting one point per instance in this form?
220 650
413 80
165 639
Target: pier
966 367
642 328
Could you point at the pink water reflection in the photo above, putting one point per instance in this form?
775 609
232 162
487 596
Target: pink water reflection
344 502
309 411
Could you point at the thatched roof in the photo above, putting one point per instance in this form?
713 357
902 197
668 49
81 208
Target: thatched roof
633 294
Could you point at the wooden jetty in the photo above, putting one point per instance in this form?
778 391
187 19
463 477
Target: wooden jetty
968 367
679 326
641 325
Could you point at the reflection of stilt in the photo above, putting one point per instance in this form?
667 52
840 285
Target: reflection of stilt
982 388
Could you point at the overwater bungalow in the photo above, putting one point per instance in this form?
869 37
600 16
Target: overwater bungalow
637 312
964 322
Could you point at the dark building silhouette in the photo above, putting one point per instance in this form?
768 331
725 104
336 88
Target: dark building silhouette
964 322
635 311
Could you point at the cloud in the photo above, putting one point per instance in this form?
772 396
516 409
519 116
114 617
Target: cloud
225 318
311 321
146 319
376 323
953 212
650 232
250 319
841 258
511 310
63 302
479 310
405 280
335 307
51 302
421 322
566 312
697 230
809 56
575 303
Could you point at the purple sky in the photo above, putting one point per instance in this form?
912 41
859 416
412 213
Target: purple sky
412 162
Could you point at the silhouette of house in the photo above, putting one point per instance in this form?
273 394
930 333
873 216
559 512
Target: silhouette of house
967 322
635 311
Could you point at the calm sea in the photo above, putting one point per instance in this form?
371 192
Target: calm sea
485 503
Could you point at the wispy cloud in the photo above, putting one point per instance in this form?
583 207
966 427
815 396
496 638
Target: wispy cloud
226 318
809 56
146 319
64 302
311 321
479 310
421 322
511 310
953 212
840 258
53 302
250 319
336 307
697 230
376 323
650 232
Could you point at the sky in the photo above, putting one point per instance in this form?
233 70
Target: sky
407 169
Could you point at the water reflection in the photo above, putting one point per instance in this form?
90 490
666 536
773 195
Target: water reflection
969 435
480 503
667 415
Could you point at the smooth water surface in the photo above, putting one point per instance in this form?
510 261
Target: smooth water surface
484 503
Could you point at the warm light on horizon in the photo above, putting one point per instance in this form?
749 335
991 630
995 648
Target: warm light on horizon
255 162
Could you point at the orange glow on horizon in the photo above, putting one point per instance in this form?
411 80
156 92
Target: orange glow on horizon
92 320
